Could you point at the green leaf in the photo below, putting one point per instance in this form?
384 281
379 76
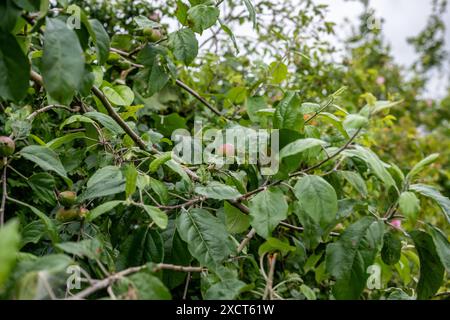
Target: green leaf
175 252
106 181
442 246
307 292
9 247
86 248
159 217
227 289
120 95
62 61
151 80
101 41
267 210
309 107
205 235
143 22
348 258
60 141
32 232
76 118
392 249
254 104
44 157
355 122
159 161
181 12
177 168
149 287
409 205
376 165
102 209
131 175
14 68
9 13
235 220
230 34
106 121
299 146
143 245
278 72
49 225
43 186
382 105
160 189
287 114
431 268
317 198
218 191
273 245
421 165
356 181
184 44
202 17
251 11
432 193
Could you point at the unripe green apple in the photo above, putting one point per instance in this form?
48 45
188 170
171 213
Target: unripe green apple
82 212
67 198
152 35
65 215
7 146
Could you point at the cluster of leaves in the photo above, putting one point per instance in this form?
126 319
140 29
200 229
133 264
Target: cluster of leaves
92 112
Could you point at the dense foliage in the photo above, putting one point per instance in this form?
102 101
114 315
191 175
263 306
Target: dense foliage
96 205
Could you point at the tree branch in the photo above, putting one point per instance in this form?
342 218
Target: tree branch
49 107
191 91
102 284
246 240
139 142
4 193
269 281
178 82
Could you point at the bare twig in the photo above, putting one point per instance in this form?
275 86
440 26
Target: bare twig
182 205
4 192
178 82
102 284
191 91
186 286
49 107
334 155
269 282
246 240
165 266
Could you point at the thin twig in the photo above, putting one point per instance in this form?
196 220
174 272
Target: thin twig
191 91
49 107
106 282
186 286
334 155
178 82
269 282
4 193
246 240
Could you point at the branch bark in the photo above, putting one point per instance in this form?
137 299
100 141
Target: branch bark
104 283
246 240
49 107
4 193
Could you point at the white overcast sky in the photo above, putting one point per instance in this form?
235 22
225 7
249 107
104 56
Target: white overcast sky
401 19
